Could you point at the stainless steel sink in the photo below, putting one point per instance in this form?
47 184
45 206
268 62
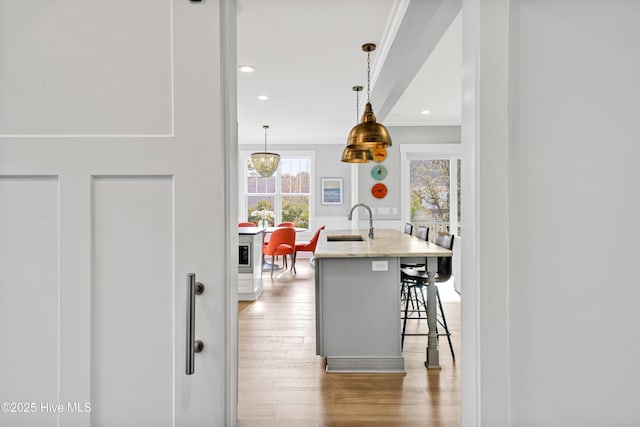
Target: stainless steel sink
344 238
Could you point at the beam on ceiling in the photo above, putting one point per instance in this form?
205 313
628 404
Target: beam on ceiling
422 26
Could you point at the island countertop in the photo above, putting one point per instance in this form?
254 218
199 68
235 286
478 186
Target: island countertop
250 230
386 243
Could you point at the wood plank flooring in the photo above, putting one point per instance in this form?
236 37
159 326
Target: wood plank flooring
281 382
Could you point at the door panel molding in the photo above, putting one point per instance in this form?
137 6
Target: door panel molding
132 301
29 295
104 73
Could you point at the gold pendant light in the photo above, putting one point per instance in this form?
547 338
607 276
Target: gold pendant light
357 155
265 163
369 134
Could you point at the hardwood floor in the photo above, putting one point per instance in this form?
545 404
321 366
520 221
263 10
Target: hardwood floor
281 382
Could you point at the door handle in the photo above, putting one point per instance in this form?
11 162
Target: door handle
193 346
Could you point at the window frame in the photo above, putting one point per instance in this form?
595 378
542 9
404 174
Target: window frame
245 156
451 152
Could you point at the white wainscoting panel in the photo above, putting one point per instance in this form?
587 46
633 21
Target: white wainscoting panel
332 222
342 223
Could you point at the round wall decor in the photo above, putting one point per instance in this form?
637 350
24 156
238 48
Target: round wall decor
379 190
379 172
379 154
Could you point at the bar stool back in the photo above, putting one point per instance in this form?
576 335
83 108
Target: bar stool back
422 232
408 228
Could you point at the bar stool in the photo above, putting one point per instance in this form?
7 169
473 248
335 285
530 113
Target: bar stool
408 228
416 279
422 233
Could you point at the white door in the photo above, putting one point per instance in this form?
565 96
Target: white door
116 118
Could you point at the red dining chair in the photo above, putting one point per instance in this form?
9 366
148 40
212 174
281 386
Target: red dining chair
246 224
282 224
286 224
282 242
305 246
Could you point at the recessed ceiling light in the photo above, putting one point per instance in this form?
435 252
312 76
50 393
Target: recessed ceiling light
425 112
263 97
246 68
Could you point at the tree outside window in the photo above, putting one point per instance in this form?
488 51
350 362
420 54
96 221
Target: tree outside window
430 187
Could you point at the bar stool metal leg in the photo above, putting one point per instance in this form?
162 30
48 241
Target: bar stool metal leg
444 323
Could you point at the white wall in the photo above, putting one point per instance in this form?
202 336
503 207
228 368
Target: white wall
574 155
572 342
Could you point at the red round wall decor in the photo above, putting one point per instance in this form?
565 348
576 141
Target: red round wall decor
379 190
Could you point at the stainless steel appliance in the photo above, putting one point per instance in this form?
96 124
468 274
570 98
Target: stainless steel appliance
245 257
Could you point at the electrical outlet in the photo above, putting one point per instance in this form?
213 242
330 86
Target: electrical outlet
379 265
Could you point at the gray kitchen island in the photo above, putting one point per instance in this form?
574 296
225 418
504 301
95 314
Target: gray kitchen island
357 288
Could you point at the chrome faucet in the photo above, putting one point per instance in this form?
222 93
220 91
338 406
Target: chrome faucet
350 216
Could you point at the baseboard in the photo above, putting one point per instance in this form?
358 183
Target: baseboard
365 364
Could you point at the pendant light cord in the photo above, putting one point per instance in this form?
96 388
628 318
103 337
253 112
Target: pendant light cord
357 90
368 76
265 137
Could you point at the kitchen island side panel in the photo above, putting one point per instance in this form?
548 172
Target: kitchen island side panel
318 292
359 309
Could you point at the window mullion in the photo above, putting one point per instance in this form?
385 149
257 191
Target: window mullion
278 198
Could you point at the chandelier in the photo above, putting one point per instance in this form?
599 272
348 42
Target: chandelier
265 163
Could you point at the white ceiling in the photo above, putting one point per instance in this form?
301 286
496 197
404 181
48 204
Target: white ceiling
308 56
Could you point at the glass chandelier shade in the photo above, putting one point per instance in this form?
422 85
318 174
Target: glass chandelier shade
264 162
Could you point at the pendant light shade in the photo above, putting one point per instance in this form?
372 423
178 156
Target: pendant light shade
368 134
265 163
357 155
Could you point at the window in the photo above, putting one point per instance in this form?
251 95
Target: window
431 194
287 194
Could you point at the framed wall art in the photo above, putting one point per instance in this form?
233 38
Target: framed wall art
331 191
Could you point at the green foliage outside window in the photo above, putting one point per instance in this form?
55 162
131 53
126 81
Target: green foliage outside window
296 210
